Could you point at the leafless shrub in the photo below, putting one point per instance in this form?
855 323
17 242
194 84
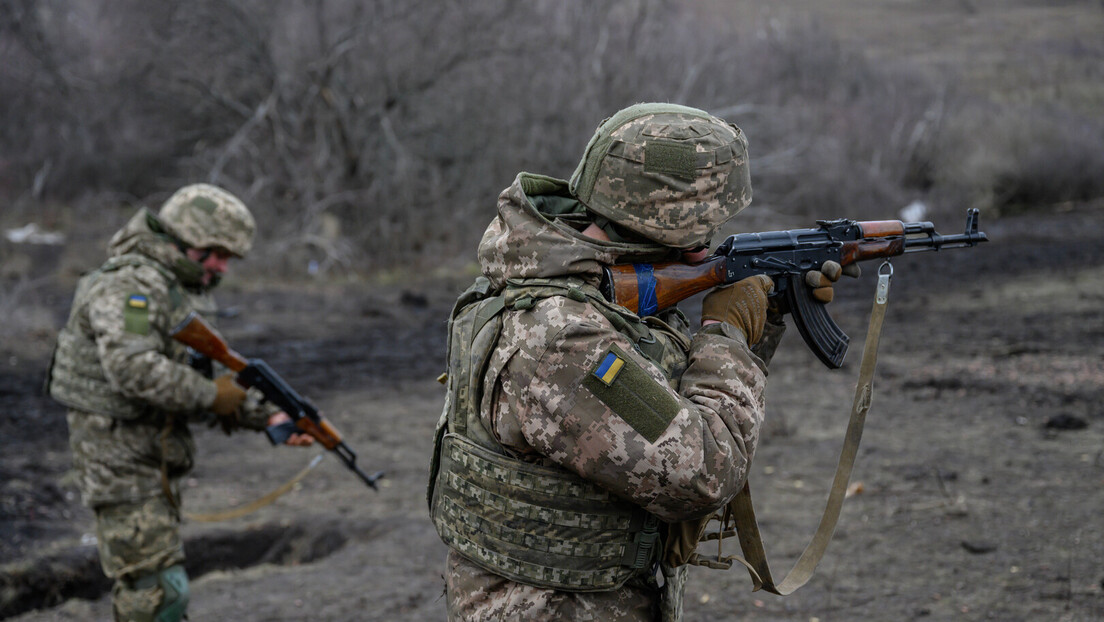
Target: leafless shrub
1015 157
372 134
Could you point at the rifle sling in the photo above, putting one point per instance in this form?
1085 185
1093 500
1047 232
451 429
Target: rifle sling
751 543
232 513
253 506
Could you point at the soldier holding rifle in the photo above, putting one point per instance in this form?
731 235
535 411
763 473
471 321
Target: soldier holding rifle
584 447
131 389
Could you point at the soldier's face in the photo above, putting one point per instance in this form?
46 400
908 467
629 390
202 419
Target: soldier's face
215 262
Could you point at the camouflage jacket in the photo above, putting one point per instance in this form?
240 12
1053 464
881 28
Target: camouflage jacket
122 375
550 398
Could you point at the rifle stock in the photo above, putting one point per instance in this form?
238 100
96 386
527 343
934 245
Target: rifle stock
198 335
673 282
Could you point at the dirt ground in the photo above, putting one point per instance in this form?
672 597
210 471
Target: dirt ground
981 471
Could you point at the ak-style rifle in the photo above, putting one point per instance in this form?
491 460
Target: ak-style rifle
198 335
785 256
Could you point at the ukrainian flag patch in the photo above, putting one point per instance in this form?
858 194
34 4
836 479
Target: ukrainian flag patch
136 314
632 393
609 367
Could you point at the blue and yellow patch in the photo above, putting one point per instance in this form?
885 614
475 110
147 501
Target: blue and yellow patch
609 367
633 393
136 314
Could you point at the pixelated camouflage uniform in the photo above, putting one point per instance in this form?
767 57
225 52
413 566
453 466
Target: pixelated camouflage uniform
541 406
131 394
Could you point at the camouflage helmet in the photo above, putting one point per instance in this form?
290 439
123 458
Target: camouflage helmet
204 216
670 173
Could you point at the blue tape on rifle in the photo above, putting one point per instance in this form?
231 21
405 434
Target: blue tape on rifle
646 288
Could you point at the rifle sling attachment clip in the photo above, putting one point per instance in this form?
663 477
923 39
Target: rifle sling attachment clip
882 293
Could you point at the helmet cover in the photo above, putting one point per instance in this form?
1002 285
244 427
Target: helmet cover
206 216
670 173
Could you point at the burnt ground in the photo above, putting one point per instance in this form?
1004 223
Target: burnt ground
979 486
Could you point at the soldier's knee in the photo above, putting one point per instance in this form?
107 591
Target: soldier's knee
173 584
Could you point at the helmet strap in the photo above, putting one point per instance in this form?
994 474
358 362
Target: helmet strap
189 272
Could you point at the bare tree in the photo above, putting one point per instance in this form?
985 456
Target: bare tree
380 132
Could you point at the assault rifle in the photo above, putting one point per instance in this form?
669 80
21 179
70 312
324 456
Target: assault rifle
198 335
785 256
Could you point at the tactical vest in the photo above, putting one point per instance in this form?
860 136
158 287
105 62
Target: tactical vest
76 377
537 525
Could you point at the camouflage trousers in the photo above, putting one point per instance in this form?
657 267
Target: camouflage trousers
135 541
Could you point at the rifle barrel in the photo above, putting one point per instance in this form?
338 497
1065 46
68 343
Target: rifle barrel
348 456
935 242
932 241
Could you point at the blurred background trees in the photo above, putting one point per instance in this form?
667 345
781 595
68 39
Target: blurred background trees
367 134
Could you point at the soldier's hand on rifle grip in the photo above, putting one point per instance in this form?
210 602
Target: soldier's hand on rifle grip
742 304
821 280
228 399
228 396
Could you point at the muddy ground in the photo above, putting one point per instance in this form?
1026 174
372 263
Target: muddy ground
980 481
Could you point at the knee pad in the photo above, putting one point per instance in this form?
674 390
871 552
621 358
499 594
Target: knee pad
174 582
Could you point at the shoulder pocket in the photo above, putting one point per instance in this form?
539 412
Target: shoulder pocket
632 393
136 314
